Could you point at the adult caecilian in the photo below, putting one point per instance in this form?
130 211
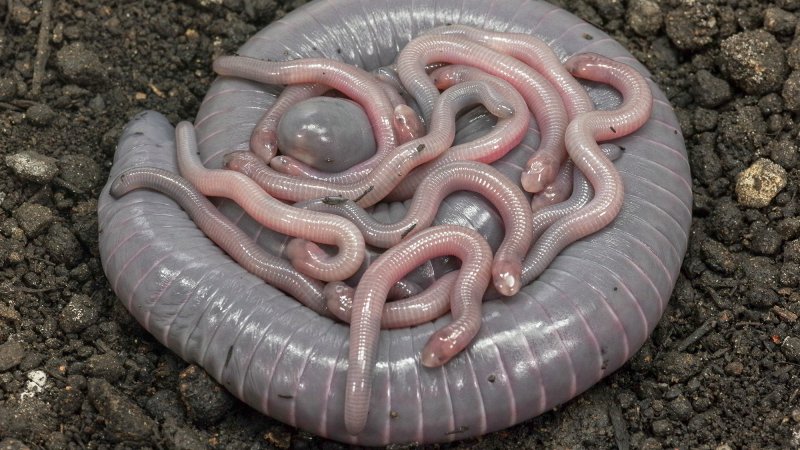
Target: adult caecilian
579 321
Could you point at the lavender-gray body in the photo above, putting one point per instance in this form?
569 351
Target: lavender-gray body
581 320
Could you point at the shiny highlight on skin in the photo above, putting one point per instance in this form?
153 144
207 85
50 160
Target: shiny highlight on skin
556 380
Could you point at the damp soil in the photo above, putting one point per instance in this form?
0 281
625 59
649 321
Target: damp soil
76 371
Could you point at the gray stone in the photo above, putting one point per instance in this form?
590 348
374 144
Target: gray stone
78 64
33 218
79 173
32 166
40 114
79 313
8 89
63 246
20 14
11 354
644 17
662 427
124 420
710 91
106 366
779 21
791 349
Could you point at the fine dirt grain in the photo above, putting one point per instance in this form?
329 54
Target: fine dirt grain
720 371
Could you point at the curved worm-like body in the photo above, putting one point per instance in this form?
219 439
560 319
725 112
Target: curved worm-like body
310 226
506 197
359 85
489 151
582 193
581 140
583 317
542 98
401 160
368 300
275 271
413 310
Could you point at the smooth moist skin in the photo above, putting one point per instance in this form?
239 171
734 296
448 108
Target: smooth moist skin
586 314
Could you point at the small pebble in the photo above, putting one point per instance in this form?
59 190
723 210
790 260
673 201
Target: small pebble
789 228
681 408
40 115
743 130
791 251
63 246
789 5
56 440
32 166
164 404
77 64
692 27
261 9
779 21
106 366
124 420
20 14
644 17
184 438
97 103
718 257
609 9
757 185
8 89
205 400
705 119
80 313
662 427
8 313
726 222
783 152
677 367
791 349
791 91
11 354
79 173
754 60
734 368
765 241
790 273
33 218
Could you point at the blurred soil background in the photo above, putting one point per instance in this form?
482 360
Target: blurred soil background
76 371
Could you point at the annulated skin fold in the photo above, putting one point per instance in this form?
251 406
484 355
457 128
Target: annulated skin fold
582 318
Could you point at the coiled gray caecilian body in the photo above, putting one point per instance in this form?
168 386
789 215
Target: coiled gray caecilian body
589 311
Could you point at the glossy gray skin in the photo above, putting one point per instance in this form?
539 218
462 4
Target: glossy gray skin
316 132
581 320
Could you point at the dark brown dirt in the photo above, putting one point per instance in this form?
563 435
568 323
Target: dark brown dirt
720 371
